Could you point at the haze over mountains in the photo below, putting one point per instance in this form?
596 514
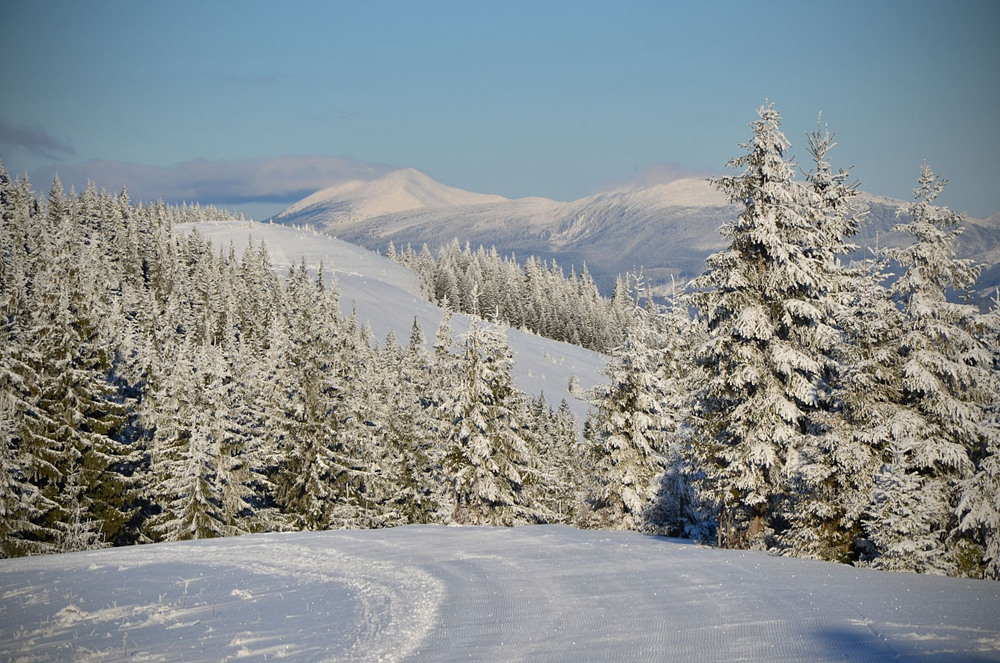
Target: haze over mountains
668 229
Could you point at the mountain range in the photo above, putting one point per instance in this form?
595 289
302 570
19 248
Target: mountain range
667 229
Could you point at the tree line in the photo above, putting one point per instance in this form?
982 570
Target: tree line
536 296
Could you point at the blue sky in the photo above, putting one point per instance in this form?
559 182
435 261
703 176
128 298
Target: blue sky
225 100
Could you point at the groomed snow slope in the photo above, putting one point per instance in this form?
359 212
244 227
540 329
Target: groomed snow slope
387 297
428 593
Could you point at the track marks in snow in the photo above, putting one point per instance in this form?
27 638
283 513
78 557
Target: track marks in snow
216 601
425 593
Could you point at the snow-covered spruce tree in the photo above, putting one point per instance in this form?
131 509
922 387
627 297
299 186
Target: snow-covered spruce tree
186 452
553 436
19 497
979 507
71 431
488 458
823 509
21 503
310 447
366 471
948 388
677 509
409 432
227 392
625 445
758 299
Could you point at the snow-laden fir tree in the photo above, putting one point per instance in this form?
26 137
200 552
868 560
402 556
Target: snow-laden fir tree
677 509
626 434
835 481
758 301
488 458
72 429
21 503
979 507
187 451
409 432
822 511
19 497
366 471
553 437
948 388
311 448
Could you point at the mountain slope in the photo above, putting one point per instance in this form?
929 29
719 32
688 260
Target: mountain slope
386 296
428 593
669 229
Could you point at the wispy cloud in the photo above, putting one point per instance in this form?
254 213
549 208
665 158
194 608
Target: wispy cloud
34 139
654 173
271 180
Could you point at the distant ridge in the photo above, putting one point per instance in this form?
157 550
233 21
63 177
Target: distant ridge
667 229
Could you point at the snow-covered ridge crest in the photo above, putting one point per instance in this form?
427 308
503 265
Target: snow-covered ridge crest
684 192
400 190
666 225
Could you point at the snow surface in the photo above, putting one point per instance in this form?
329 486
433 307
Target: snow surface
432 593
387 297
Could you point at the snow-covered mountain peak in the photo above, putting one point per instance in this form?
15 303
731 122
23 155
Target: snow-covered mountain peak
684 192
690 192
399 191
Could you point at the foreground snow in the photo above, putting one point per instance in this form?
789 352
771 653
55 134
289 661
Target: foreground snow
430 593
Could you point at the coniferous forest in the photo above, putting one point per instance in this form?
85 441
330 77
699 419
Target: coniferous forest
154 387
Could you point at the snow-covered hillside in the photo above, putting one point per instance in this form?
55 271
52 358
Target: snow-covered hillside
430 593
669 229
387 297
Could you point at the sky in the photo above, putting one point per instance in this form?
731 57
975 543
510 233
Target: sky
253 105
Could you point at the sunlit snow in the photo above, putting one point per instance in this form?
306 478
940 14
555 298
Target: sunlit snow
432 593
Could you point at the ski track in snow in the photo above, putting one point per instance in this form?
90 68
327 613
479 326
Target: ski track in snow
432 593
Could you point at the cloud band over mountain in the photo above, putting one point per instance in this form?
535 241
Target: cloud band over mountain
271 180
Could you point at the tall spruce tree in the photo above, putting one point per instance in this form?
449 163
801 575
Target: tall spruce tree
823 520
948 387
488 457
625 449
979 507
757 298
